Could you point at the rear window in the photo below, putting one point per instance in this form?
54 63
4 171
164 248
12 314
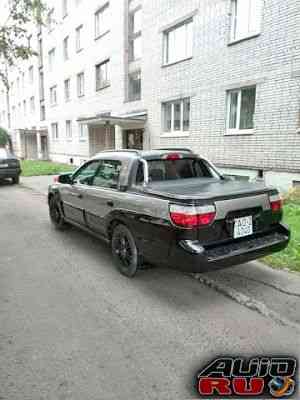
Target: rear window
165 170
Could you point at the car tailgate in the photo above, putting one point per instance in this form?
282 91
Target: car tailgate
232 199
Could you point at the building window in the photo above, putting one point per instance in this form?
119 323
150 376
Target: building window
24 108
240 110
42 112
135 34
82 132
30 75
246 18
53 95
134 89
23 80
69 130
79 38
50 20
41 86
102 75
32 105
64 8
102 21
67 86
176 116
51 58
40 53
178 43
54 131
135 49
80 84
66 48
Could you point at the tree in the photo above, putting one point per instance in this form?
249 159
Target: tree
14 34
4 138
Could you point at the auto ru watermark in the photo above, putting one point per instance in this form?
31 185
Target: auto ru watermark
268 377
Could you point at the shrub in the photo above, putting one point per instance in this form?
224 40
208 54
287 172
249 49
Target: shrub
293 196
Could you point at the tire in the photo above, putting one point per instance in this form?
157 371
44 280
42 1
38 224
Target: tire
56 215
124 251
16 180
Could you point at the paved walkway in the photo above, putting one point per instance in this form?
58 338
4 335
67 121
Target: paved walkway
38 183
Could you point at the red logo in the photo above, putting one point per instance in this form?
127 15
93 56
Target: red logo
259 376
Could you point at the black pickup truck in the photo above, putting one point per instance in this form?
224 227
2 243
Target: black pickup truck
169 206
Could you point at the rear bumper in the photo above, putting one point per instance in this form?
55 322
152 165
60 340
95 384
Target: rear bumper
192 257
9 172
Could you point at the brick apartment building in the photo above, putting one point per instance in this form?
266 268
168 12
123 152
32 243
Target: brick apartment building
219 76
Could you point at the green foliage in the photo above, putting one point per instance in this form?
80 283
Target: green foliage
3 137
37 168
290 257
14 36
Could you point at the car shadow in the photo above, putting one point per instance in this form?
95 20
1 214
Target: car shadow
162 284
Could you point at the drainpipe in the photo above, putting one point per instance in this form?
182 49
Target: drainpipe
8 112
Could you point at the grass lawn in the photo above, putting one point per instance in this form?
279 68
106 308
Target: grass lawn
36 168
290 257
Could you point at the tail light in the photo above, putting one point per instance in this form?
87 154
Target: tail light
173 157
55 179
276 203
190 217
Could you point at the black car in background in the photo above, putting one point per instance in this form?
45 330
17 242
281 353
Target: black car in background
9 166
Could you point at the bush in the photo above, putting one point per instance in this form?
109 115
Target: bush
293 196
3 137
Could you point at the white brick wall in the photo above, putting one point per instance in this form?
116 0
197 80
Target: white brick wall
271 61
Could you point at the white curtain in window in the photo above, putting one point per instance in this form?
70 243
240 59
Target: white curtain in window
247 17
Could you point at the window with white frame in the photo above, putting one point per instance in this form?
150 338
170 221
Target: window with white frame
32 104
54 131
24 108
135 34
82 132
176 116
64 8
102 21
42 112
246 18
102 75
78 35
50 20
241 109
30 74
80 84
51 58
69 130
66 48
178 42
67 87
53 95
134 86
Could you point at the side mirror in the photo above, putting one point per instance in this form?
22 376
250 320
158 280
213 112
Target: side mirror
65 179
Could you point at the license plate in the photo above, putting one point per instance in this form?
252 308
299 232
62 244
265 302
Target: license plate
243 227
3 165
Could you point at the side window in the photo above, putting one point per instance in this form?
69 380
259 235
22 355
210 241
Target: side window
140 174
86 174
108 174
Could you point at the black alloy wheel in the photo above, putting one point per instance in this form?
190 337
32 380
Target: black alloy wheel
125 252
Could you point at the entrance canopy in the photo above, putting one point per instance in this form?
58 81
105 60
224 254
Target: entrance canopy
104 120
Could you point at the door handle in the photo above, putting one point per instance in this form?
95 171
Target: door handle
110 203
